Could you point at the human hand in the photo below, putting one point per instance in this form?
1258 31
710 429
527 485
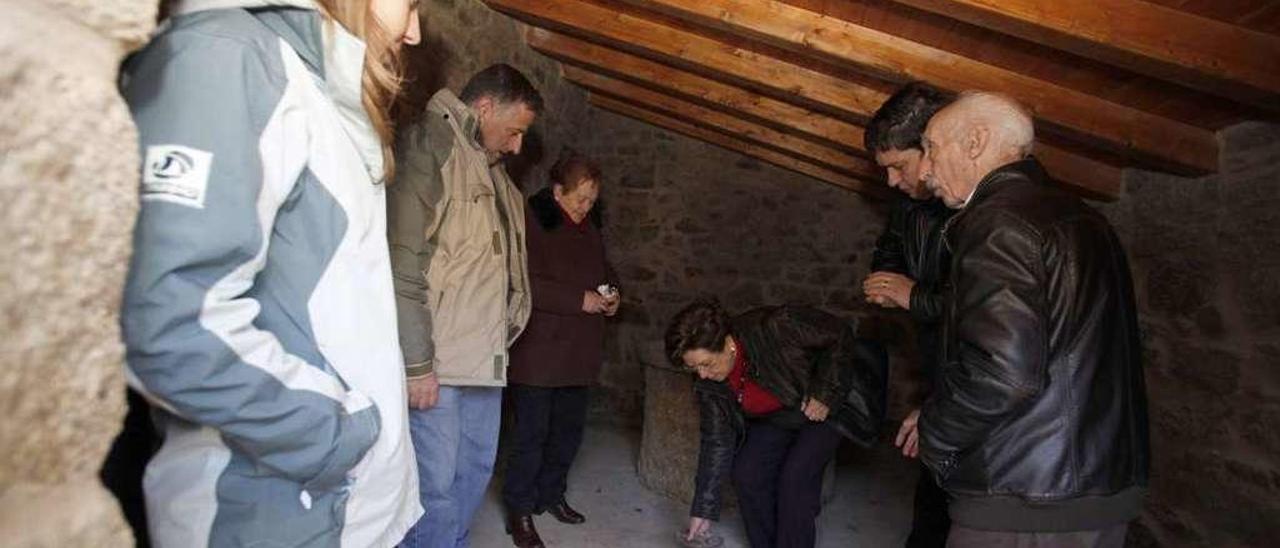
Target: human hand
888 289
424 392
592 302
909 435
697 528
612 302
815 410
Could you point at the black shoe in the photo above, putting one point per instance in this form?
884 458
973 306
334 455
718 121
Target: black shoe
563 512
523 533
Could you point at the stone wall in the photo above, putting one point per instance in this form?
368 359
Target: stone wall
68 163
1206 262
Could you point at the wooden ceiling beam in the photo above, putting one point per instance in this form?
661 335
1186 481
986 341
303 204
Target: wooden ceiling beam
1084 175
1089 177
1202 53
697 53
626 66
1144 137
856 166
740 146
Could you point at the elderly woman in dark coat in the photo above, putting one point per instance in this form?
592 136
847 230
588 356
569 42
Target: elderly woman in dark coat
560 352
778 388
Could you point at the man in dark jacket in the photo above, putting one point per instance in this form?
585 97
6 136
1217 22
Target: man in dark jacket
1038 426
908 270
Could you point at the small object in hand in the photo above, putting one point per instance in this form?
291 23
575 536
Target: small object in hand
703 540
607 291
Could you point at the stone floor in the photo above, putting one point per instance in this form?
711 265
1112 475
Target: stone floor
872 504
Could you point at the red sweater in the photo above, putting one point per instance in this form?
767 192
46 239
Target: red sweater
753 398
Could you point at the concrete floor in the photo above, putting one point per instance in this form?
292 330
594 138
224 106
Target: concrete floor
872 504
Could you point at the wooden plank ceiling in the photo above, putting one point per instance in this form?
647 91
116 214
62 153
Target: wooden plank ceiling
1113 83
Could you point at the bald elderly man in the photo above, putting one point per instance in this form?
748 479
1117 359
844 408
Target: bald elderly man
1038 424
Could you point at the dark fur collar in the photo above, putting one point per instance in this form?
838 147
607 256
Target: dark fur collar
548 212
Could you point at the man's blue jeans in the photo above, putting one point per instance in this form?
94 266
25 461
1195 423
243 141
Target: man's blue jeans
456 443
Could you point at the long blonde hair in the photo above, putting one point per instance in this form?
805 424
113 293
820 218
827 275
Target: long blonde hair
383 69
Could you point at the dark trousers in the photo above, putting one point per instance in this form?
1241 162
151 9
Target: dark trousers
545 439
778 476
930 521
1111 537
122 471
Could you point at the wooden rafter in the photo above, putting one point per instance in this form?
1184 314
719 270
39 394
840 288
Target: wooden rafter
1090 177
839 133
748 148
697 53
1139 135
1210 55
726 123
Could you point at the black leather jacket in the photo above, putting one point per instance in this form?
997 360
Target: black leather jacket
1041 398
911 245
794 352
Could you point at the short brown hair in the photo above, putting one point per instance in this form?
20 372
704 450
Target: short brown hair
571 169
701 325
505 85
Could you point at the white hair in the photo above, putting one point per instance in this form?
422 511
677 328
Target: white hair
1011 123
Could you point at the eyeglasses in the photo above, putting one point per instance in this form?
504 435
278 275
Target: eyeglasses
707 364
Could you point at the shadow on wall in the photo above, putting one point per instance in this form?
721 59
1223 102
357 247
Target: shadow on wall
425 67
521 166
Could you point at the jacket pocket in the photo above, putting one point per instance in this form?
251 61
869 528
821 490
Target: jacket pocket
481 215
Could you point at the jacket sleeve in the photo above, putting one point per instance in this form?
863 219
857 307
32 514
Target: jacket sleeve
224 144
1000 361
415 209
927 303
888 255
828 342
715 455
849 374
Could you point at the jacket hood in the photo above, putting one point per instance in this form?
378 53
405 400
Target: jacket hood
329 50
463 120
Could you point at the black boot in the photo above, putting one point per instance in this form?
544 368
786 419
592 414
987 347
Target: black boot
523 533
566 514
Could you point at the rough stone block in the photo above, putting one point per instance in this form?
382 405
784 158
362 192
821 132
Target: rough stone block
78 513
1211 369
1179 286
127 22
669 447
67 202
1258 292
68 180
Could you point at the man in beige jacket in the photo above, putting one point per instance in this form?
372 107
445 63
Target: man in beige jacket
456 228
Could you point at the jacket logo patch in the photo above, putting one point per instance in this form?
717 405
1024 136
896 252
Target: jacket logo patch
176 174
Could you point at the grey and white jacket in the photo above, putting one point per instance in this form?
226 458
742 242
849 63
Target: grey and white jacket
259 314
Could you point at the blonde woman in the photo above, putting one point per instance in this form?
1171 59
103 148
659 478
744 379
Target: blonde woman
259 315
